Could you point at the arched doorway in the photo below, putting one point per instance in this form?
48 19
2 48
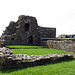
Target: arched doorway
30 40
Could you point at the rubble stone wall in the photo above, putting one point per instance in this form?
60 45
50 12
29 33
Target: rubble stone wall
66 36
47 32
10 60
66 45
26 32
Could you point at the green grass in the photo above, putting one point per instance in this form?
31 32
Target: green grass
62 68
41 51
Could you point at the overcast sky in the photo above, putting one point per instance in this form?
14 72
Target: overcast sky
49 13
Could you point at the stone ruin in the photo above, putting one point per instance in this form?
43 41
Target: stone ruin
10 60
65 45
67 36
26 32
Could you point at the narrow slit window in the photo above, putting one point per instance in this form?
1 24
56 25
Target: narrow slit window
26 26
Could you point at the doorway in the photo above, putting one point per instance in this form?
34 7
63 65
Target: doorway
30 40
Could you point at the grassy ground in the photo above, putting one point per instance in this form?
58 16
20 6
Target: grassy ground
39 51
62 68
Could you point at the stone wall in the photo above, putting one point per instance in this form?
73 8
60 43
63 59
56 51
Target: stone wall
66 45
26 32
66 36
9 60
47 32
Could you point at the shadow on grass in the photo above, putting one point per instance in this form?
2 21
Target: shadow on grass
9 70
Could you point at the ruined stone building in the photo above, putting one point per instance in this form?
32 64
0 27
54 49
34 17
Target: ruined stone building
65 36
26 32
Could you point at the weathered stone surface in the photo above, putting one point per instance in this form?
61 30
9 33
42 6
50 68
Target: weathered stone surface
2 45
66 45
63 36
26 31
9 60
23 60
5 51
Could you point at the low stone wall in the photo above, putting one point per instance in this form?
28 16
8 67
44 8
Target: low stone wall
66 45
9 60
25 47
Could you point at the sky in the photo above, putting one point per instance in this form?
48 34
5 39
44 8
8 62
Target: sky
59 14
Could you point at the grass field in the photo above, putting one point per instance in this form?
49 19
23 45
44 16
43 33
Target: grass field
62 68
39 51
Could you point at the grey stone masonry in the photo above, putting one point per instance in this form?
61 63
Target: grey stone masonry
65 45
10 60
26 31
